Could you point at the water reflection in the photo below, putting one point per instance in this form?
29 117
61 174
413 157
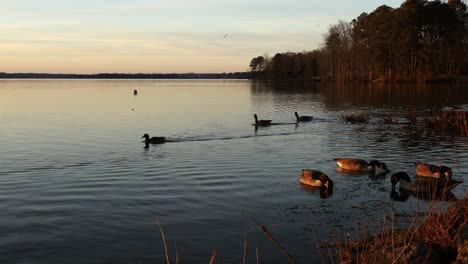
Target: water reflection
379 176
336 95
403 195
354 172
216 173
372 175
323 193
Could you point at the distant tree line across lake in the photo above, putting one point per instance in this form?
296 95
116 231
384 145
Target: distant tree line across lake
421 40
231 75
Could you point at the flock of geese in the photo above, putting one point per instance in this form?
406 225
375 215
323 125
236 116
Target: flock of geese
429 178
263 123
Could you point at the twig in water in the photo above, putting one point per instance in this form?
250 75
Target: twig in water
164 241
245 248
291 259
177 254
256 251
212 258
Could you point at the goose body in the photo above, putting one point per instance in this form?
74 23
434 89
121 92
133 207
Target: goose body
303 118
153 140
360 165
315 178
433 171
261 122
441 186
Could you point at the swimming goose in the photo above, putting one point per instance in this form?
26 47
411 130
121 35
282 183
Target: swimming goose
153 140
433 171
303 118
261 122
422 185
316 179
360 165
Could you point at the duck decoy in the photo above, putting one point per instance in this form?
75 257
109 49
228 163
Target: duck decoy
421 185
316 178
433 171
360 165
153 140
303 118
261 122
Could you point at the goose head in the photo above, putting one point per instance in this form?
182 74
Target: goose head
378 164
374 163
327 182
446 171
401 175
383 166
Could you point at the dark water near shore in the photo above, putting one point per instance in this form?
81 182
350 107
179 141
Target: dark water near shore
77 186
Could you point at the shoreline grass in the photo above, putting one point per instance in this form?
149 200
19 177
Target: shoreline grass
431 237
449 121
439 237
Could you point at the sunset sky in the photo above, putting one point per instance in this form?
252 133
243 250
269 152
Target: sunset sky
162 36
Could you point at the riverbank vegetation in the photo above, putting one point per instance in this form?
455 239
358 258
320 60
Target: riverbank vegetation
434 237
419 41
456 121
437 236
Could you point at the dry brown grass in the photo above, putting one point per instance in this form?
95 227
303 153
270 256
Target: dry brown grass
436 238
456 121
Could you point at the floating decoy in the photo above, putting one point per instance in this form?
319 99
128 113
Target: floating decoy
360 165
316 179
303 118
421 185
433 171
261 122
153 140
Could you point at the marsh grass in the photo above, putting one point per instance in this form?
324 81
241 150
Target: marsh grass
456 121
432 237
435 237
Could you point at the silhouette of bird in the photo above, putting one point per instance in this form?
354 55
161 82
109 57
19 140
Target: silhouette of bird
303 118
423 185
261 122
153 140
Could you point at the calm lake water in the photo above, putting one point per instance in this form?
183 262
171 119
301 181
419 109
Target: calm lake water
77 186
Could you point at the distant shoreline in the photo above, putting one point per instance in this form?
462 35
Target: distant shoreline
233 75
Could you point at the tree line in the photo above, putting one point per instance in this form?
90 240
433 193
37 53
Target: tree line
420 40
